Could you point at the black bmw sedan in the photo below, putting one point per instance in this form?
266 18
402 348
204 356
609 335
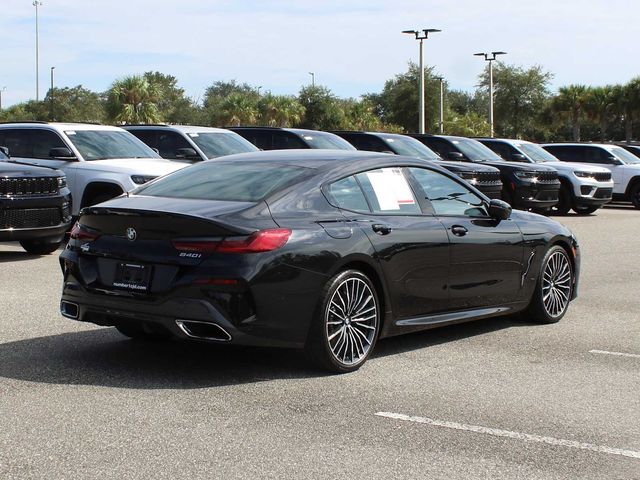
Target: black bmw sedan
323 250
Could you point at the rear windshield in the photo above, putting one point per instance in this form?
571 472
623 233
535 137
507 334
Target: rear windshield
214 144
234 182
326 140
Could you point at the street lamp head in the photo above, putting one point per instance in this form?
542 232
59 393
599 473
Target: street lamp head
430 30
411 32
480 54
36 3
498 53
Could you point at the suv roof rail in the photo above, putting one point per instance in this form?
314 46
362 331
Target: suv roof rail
144 125
249 127
24 121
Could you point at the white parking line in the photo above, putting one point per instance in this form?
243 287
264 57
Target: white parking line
617 354
508 434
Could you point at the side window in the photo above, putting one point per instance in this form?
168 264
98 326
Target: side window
259 138
599 155
569 154
503 149
348 195
17 141
372 144
42 141
447 196
388 191
286 140
441 147
169 143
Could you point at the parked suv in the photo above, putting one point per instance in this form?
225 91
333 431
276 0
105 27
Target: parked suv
35 205
100 162
624 165
633 148
271 138
483 177
584 188
524 186
190 144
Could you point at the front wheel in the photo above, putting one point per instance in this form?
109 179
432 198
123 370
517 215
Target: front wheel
554 287
346 324
43 247
585 210
634 195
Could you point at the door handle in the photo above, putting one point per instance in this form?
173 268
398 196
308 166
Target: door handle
381 229
459 230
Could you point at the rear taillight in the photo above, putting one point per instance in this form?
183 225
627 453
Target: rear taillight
261 241
83 234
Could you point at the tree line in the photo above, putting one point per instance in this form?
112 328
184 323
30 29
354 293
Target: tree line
524 106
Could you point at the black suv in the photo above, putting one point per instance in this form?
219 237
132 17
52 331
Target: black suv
35 205
525 186
273 138
483 177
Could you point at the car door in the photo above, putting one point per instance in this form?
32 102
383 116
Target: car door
486 256
412 248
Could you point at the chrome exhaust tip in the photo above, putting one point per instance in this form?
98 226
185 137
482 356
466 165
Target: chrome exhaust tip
69 309
203 330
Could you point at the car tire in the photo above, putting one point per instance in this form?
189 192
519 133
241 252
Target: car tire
138 332
564 201
36 247
554 287
634 195
339 342
585 210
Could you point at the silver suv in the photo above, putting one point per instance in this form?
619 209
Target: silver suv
585 188
623 165
191 144
100 162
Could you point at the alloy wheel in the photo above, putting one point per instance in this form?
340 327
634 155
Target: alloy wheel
351 320
556 284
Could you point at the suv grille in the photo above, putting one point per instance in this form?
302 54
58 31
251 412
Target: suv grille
602 176
30 218
482 178
547 177
28 186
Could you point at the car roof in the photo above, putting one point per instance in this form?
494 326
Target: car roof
511 141
576 144
60 126
323 159
179 128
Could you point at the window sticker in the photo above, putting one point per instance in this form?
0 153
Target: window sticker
391 188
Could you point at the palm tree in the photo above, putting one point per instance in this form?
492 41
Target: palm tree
627 99
133 100
239 109
571 100
280 110
599 103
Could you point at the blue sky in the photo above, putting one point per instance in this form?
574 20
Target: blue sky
352 46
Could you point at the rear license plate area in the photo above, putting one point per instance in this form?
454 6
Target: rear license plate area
132 276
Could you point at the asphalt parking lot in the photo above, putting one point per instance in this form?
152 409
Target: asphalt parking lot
494 399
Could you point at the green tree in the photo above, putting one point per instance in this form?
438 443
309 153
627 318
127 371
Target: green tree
133 100
279 110
570 101
470 124
238 109
26 111
599 106
627 105
216 104
173 104
322 108
519 96
398 103
75 104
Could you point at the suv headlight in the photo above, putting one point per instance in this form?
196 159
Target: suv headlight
583 174
533 176
62 182
141 179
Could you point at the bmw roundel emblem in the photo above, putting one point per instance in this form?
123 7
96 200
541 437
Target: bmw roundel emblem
131 234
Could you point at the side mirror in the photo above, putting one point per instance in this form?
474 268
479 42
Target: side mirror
614 161
456 156
62 153
5 150
499 209
187 154
518 157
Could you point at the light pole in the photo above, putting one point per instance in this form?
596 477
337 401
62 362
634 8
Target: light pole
1 90
490 57
51 95
421 35
313 79
441 104
37 4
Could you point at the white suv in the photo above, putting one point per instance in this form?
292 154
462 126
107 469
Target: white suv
100 162
585 188
624 165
